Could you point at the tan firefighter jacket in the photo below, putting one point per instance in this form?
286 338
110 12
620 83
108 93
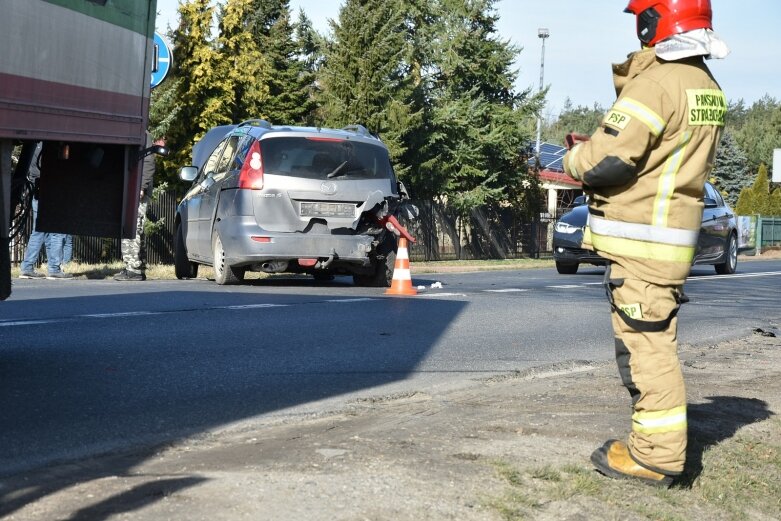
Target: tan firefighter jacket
646 165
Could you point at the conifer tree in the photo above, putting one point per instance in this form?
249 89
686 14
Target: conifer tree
731 170
365 76
745 205
761 192
755 199
290 82
192 76
759 130
477 119
580 119
163 107
775 203
311 45
243 71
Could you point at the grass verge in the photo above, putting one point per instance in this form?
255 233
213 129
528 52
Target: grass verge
741 479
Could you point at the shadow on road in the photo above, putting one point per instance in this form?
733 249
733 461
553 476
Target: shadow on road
86 384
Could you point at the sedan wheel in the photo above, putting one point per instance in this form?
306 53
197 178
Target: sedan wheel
224 274
730 263
566 269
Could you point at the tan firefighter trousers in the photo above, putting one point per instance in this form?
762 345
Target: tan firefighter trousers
645 328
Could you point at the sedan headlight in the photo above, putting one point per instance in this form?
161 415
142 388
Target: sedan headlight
563 227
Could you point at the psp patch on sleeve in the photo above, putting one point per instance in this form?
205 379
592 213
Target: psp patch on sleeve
617 119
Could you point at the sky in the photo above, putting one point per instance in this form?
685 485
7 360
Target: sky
587 36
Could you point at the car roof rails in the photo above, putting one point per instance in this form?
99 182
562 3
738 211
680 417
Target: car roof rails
360 130
255 123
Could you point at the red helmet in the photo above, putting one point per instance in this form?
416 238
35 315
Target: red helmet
660 19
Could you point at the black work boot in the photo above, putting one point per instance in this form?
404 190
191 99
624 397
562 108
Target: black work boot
127 275
613 460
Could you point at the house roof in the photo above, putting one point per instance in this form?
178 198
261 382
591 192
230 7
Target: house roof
559 178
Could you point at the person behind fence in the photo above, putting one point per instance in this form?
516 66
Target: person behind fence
133 250
645 168
37 240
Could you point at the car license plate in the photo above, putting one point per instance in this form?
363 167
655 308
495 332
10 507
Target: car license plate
327 210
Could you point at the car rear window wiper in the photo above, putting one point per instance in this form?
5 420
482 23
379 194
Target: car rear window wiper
336 171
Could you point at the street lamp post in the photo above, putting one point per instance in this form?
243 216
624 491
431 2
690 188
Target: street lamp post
543 34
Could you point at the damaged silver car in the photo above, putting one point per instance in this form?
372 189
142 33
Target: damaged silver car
280 199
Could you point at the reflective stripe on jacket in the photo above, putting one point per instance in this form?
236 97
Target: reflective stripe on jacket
645 167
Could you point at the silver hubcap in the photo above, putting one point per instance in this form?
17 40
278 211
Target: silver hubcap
733 252
219 257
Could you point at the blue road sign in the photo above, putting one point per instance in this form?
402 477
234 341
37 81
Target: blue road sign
163 59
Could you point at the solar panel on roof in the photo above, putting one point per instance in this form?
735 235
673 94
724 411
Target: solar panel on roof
550 148
551 156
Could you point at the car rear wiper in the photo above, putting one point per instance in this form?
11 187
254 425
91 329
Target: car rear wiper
336 171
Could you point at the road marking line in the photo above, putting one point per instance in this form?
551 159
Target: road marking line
254 306
735 276
27 322
565 286
441 295
124 314
365 299
507 290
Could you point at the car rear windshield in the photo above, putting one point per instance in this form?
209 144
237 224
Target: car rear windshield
323 158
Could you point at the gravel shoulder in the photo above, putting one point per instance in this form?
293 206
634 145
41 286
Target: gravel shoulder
510 447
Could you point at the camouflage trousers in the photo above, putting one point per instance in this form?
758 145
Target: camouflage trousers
133 250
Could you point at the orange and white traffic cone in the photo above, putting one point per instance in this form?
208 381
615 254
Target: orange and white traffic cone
402 281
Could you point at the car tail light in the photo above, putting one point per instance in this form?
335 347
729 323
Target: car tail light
332 139
258 238
251 175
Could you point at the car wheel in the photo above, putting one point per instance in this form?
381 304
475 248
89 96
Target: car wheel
566 269
224 274
730 263
183 268
382 277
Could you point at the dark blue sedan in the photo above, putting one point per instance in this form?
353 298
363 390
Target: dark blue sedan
717 244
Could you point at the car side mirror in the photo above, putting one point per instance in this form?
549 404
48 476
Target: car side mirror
710 203
160 150
402 190
188 173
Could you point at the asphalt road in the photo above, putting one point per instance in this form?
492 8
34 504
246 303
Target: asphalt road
93 366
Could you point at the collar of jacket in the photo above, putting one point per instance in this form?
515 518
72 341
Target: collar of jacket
636 63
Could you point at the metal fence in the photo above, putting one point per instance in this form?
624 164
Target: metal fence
98 250
488 233
768 232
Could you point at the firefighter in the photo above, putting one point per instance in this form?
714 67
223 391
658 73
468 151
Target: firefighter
644 170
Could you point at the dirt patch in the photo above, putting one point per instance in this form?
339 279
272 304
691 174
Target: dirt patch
768 253
514 447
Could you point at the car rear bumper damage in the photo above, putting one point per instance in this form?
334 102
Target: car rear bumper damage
249 244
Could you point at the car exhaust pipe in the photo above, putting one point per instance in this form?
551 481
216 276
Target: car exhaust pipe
275 266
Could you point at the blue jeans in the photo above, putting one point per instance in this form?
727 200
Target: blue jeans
53 243
67 248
